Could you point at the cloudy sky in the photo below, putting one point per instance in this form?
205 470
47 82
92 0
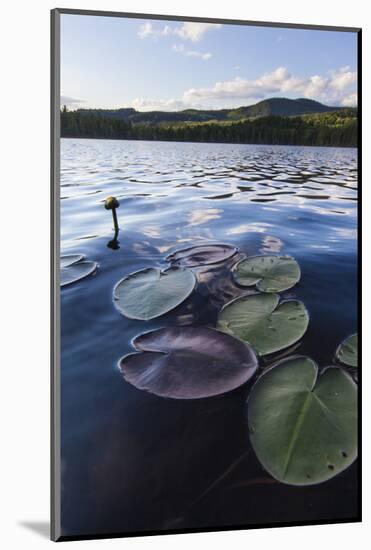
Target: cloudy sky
114 62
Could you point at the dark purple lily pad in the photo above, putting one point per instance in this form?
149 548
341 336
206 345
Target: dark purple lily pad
200 255
188 363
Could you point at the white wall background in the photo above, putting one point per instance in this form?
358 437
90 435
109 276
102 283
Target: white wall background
24 275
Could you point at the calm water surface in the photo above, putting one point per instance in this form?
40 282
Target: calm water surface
132 461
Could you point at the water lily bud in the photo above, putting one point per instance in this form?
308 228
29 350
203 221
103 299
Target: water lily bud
110 203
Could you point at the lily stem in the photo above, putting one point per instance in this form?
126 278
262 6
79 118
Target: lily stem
115 222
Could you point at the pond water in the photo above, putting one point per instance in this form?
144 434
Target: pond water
132 461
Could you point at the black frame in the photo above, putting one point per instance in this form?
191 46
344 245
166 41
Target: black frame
54 267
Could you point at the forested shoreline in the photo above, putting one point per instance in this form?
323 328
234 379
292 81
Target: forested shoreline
336 128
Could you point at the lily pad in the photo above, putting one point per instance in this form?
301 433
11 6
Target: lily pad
149 293
77 271
347 352
268 273
303 427
188 363
199 255
261 321
70 259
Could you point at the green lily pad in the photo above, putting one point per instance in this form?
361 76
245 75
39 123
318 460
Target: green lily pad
347 352
188 363
261 321
70 259
303 427
200 255
149 293
76 271
268 273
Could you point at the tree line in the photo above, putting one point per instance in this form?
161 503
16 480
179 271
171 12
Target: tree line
337 128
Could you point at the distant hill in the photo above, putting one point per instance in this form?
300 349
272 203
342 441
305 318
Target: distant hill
281 106
334 128
154 117
275 106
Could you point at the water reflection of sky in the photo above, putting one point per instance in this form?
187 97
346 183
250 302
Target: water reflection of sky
170 190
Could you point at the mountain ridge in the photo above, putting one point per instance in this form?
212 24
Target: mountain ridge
275 106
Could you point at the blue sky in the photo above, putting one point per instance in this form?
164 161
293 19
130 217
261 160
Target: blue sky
148 64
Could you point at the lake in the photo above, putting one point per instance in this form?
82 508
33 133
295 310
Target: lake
132 461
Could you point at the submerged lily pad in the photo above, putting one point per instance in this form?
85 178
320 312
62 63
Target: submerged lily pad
303 427
188 363
199 255
260 321
347 352
268 273
70 259
149 293
76 271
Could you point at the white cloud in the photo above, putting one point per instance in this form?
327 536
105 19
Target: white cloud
350 100
145 30
72 102
158 104
333 89
336 88
195 31
343 78
187 31
191 53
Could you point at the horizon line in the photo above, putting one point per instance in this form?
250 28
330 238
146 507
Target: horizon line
64 104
